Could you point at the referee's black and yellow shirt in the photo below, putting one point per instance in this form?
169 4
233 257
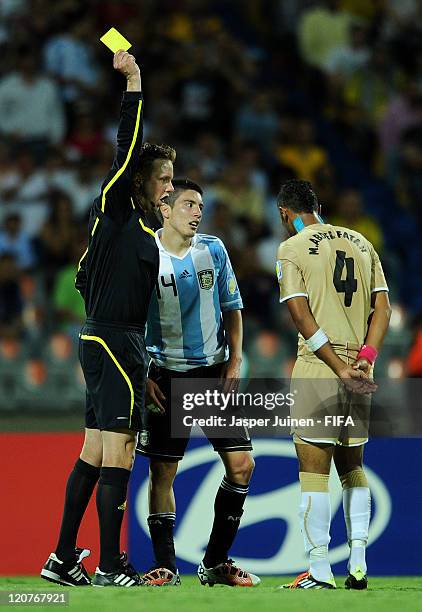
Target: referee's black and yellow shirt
117 273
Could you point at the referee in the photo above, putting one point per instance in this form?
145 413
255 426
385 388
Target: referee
116 277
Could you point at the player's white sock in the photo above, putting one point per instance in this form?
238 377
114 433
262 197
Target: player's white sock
357 512
319 565
357 556
315 517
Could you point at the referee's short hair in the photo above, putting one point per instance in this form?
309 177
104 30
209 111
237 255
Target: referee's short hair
150 152
298 196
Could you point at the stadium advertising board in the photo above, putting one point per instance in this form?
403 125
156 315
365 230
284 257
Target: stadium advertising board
269 540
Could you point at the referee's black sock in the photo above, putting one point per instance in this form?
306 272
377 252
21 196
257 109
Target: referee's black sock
111 504
79 488
228 510
161 526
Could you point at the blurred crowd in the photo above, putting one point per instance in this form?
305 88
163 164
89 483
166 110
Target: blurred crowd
250 94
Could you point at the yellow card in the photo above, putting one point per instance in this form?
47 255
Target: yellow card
115 41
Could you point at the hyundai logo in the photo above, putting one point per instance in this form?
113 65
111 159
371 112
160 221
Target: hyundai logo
194 526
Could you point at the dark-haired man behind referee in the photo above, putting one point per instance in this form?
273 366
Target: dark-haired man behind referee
194 331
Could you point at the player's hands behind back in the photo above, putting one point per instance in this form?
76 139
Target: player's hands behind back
356 380
362 364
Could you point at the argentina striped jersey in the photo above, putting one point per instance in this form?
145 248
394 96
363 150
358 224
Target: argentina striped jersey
185 327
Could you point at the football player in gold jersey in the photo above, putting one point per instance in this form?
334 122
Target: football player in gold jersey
333 284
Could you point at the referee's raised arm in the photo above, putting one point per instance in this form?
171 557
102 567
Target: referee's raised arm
126 64
116 190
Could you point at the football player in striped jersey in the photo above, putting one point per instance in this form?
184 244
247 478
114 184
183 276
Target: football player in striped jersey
194 330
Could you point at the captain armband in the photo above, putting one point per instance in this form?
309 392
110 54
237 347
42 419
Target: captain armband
317 340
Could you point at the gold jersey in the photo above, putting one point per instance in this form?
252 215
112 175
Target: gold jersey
337 270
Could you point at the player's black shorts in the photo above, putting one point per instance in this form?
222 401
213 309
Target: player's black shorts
114 363
155 439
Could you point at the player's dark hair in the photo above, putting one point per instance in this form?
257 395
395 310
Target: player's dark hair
149 153
181 185
298 196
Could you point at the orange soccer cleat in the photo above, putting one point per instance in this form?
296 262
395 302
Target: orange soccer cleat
161 576
306 581
226 573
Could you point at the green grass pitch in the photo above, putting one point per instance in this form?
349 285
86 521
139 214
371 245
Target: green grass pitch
384 594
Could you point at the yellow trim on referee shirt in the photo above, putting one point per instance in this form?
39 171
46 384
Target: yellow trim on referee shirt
144 227
86 250
119 367
123 168
95 226
82 258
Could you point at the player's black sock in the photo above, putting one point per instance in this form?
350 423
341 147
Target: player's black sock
161 527
228 510
79 488
111 504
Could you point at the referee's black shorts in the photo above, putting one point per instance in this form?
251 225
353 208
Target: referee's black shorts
114 364
155 439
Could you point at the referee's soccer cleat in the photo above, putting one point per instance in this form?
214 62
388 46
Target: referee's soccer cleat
356 580
226 573
161 576
306 581
69 573
125 576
